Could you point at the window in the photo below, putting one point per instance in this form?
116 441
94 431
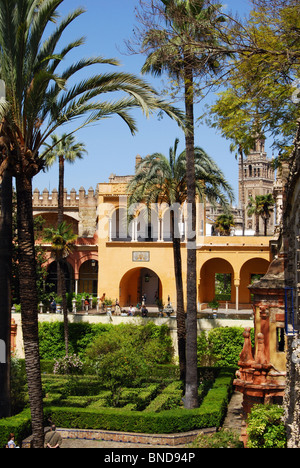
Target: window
280 340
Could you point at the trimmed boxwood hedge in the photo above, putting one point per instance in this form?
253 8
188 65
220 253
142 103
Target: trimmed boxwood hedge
20 425
210 414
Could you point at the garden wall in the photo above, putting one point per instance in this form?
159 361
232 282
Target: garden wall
203 324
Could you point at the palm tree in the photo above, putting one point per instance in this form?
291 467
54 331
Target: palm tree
224 223
39 100
159 179
254 208
62 240
175 51
262 206
5 289
64 149
267 207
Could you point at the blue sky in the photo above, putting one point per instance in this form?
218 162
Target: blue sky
110 145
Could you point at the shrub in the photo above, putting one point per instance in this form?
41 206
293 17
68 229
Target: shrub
266 428
221 439
70 365
154 341
20 425
221 347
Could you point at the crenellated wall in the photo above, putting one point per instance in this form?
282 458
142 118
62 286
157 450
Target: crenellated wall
81 206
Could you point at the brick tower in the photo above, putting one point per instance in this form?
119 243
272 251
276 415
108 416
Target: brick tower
259 178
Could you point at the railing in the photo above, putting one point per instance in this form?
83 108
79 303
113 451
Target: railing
290 329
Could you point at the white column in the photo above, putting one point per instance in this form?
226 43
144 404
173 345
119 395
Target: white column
237 286
110 229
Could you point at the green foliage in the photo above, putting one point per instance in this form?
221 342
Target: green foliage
154 340
20 425
266 428
221 439
126 355
81 402
51 337
164 421
221 347
18 385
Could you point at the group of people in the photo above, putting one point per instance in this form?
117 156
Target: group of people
53 439
143 309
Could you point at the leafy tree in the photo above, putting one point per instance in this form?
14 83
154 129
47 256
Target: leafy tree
261 78
162 180
233 120
39 100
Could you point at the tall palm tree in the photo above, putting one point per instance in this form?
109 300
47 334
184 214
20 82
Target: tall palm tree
267 207
262 206
39 100
5 289
62 239
174 50
158 180
224 223
254 208
63 148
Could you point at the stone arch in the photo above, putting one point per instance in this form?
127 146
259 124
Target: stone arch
207 286
51 280
139 281
88 276
253 266
51 220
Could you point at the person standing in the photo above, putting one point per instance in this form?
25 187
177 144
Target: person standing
53 439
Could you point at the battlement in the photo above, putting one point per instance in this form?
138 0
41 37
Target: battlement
73 199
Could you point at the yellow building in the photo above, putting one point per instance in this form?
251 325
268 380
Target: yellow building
136 256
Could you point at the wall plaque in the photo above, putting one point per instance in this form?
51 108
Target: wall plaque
141 256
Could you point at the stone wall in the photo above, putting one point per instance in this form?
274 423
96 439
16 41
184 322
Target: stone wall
80 206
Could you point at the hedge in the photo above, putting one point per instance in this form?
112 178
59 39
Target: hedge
20 425
210 414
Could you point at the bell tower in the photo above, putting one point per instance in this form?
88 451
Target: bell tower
259 179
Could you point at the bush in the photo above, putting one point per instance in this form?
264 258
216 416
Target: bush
20 425
79 402
221 439
70 365
161 421
221 347
266 428
154 341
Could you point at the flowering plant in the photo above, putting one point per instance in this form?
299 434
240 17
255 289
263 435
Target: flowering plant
68 365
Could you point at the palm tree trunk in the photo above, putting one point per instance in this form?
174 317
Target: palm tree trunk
61 282
29 303
64 305
257 224
60 217
191 391
5 292
181 327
